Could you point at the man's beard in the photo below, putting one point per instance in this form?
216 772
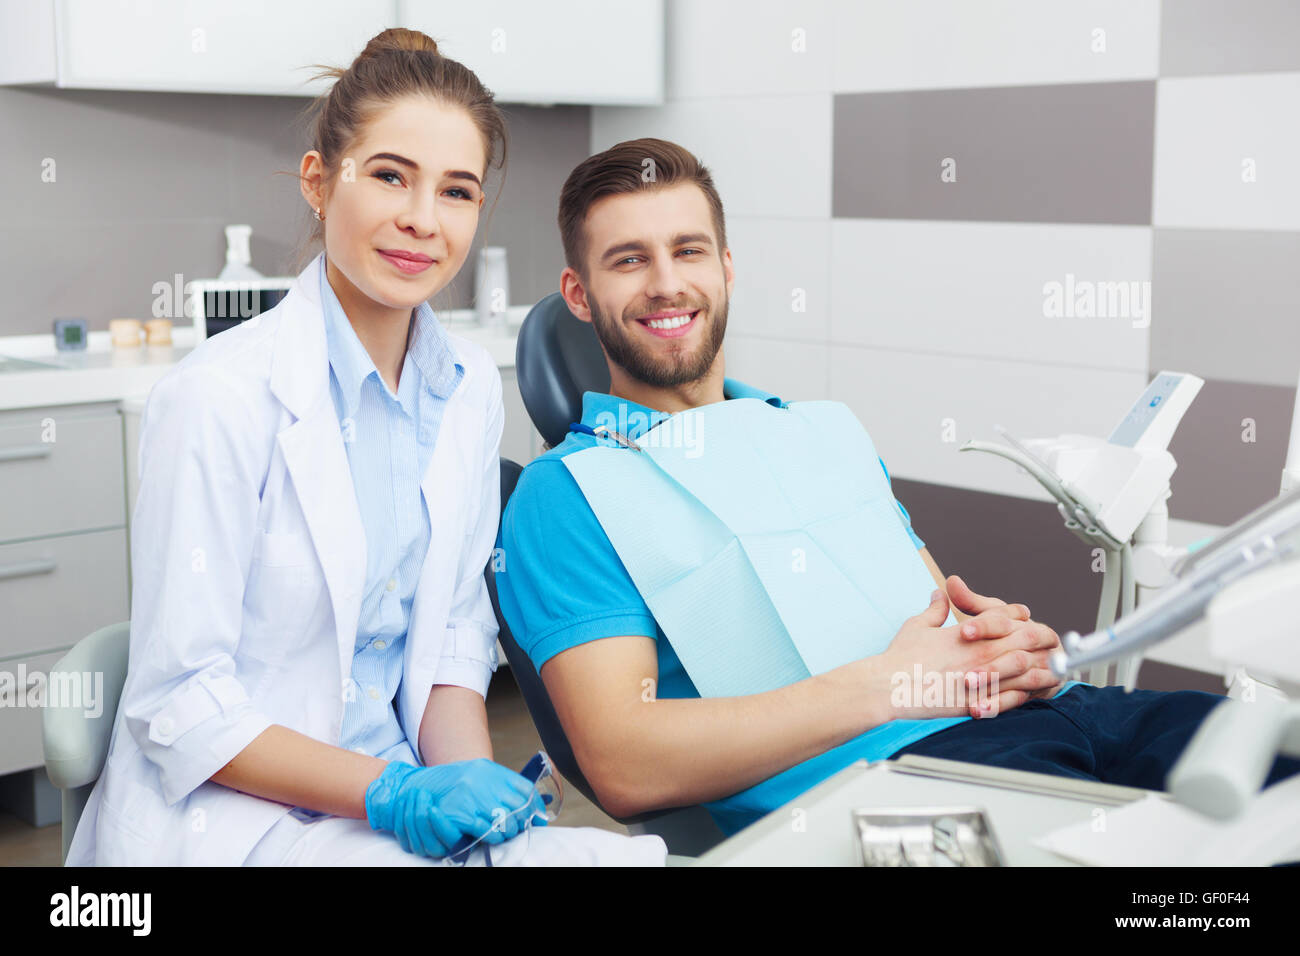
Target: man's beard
677 369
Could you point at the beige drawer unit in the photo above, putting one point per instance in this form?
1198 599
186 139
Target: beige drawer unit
55 591
61 470
20 726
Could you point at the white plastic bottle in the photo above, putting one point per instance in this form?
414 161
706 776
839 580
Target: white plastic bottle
238 260
492 288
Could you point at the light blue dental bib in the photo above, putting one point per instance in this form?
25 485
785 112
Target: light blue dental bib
767 545
765 540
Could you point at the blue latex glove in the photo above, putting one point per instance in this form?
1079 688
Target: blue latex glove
429 809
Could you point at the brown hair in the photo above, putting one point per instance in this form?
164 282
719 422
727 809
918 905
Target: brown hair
629 167
394 64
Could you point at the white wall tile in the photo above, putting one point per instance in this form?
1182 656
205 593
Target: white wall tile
782 278
796 371
747 47
935 44
977 288
770 155
905 401
1206 130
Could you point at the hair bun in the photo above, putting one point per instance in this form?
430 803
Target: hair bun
398 39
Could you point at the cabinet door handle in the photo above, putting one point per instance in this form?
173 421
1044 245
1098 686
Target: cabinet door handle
21 452
25 569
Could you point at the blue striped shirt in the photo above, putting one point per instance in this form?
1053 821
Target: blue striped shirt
389 440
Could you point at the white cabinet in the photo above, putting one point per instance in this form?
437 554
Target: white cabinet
195 46
63 549
569 51
575 51
65 466
58 589
20 744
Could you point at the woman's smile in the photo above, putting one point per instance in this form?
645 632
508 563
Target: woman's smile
409 263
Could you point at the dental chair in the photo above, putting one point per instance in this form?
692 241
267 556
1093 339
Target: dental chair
76 745
557 358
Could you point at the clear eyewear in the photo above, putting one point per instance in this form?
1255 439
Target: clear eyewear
545 802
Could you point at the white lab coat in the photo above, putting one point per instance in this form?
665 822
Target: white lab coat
248 563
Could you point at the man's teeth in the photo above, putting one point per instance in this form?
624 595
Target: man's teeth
674 323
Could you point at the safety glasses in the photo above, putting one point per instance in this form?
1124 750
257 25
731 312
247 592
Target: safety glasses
545 802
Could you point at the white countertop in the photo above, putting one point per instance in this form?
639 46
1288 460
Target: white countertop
102 373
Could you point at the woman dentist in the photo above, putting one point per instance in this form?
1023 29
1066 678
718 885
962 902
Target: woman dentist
311 635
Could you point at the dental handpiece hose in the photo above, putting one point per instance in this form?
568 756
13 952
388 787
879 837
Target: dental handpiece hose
1177 605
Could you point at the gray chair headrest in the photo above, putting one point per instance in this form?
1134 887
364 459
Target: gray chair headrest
557 358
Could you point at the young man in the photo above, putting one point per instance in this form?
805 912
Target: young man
705 699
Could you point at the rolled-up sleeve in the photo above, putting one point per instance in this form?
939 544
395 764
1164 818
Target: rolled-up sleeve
469 655
191 543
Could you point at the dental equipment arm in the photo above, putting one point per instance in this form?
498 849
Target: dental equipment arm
1226 762
1268 535
1111 493
1079 515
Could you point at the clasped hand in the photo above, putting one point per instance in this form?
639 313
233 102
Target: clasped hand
1003 655
1030 675
429 809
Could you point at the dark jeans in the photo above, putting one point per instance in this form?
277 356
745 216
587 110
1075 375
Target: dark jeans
1096 733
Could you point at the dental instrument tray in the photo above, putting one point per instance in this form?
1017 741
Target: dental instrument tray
926 836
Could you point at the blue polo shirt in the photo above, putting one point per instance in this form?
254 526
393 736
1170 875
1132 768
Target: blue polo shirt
563 585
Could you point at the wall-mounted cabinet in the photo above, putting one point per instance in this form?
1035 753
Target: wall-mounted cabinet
194 46
574 51
607 52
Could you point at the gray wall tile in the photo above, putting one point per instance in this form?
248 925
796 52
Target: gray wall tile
110 268
1221 475
147 181
1225 304
1062 153
545 145
1229 36
1154 675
